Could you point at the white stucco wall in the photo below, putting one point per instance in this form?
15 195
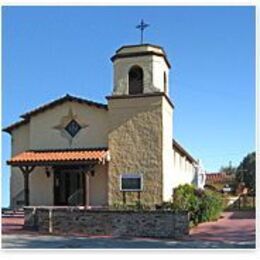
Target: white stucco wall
153 71
168 170
159 67
20 143
122 68
41 188
43 134
184 171
20 139
98 186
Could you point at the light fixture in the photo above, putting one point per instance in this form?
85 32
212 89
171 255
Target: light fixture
47 171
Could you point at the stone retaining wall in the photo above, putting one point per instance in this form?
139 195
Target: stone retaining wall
163 224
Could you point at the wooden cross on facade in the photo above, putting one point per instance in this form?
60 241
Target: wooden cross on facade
141 27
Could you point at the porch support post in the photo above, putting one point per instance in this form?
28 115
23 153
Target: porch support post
86 175
84 188
26 170
87 188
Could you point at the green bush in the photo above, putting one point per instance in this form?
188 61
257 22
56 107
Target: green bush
211 206
201 205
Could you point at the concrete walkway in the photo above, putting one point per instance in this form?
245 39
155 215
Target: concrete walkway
233 230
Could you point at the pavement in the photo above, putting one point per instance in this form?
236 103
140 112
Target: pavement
232 230
12 223
236 226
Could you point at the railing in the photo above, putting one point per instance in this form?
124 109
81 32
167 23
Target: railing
76 198
246 202
242 202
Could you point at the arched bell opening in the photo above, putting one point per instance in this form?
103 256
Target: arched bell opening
135 80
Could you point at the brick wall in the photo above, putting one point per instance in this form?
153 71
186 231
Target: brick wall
160 224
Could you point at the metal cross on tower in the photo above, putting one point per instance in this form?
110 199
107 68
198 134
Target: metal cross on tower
142 26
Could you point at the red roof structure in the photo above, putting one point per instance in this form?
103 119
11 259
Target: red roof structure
57 156
218 177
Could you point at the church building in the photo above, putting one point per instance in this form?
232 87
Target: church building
77 152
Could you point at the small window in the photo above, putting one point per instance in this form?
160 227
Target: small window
73 128
131 182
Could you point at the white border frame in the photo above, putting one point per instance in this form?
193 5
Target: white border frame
131 176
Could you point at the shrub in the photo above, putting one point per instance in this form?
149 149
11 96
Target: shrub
185 199
211 206
201 205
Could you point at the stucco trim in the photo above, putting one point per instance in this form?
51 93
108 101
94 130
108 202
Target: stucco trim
142 53
140 45
141 96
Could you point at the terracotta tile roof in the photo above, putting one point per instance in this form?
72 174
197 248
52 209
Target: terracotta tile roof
218 177
144 95
54 156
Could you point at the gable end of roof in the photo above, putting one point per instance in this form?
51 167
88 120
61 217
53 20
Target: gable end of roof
10 128
26 116
61 101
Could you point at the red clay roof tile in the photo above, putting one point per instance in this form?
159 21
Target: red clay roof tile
59 156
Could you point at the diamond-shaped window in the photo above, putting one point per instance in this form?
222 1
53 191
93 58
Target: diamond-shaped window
73 127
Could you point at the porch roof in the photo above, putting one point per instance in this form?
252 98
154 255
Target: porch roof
43 157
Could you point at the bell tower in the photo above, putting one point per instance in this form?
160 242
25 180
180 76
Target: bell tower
140 126
140 69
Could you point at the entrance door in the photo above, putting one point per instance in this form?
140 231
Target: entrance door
69 187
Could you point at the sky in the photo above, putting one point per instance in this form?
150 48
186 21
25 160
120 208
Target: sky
51 51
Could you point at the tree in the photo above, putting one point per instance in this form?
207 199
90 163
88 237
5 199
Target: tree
229 170
246 171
